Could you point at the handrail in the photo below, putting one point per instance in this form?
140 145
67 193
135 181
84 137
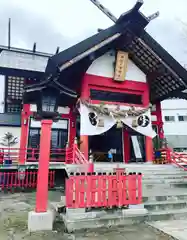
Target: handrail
74 155
79 156
174 156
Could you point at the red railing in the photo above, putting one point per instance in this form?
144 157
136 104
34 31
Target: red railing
26 179
179 159
68 155
12 155
86 191
75 156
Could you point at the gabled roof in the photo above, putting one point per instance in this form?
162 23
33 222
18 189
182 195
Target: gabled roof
164 74
69 66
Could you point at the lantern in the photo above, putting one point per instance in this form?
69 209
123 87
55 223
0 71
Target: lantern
47 103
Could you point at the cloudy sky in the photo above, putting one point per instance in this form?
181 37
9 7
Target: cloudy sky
53 23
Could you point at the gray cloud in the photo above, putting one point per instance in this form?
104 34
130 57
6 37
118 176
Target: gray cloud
27 28
67 22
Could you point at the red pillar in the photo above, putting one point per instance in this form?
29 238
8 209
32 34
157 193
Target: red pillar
126 146
149 149
25 114
85 94
84 145
43 169
72 127
159 120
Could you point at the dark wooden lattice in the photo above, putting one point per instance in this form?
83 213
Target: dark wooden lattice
161 86
15 88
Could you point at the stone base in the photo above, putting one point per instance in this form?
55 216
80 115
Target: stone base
78 219
40 221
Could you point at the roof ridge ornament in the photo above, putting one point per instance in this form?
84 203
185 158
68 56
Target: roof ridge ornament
138 5
153 16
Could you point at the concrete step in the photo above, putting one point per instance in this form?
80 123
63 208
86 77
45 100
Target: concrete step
164 193
165 176
165 205
164 181
131 167
157 186
167 214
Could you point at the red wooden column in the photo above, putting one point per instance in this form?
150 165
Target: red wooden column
43 170
149 149
72 127
126 146
85 94
159 120
25 114
84 145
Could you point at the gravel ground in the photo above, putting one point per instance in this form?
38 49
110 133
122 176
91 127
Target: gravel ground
13 223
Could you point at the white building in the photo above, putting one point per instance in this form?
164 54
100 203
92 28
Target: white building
174 114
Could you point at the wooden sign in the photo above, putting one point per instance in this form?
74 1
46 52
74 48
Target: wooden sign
121 66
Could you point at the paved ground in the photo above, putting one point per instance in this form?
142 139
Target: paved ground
13 223
175 228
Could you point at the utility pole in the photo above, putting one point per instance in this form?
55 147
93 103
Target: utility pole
9 33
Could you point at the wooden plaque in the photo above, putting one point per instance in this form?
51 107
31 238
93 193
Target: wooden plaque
121 66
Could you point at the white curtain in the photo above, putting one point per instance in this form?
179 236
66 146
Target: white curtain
92 123
143 124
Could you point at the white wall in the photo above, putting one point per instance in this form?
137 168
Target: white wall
61 124
174 104
174 107
104 67
16 131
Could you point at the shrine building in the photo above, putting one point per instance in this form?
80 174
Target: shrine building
114 81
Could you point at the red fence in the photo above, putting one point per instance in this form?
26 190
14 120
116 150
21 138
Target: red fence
31 155
68 155
27 179
103 190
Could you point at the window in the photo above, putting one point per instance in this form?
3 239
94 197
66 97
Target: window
182 118
115 97
59 138
13 108
169 118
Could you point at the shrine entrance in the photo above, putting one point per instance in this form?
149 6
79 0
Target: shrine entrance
112 141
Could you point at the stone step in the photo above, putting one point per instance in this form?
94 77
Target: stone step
158 171
164 181
165 205
164 194
165 198
166 172
157 186
165 191
165 176
167 214
137 167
